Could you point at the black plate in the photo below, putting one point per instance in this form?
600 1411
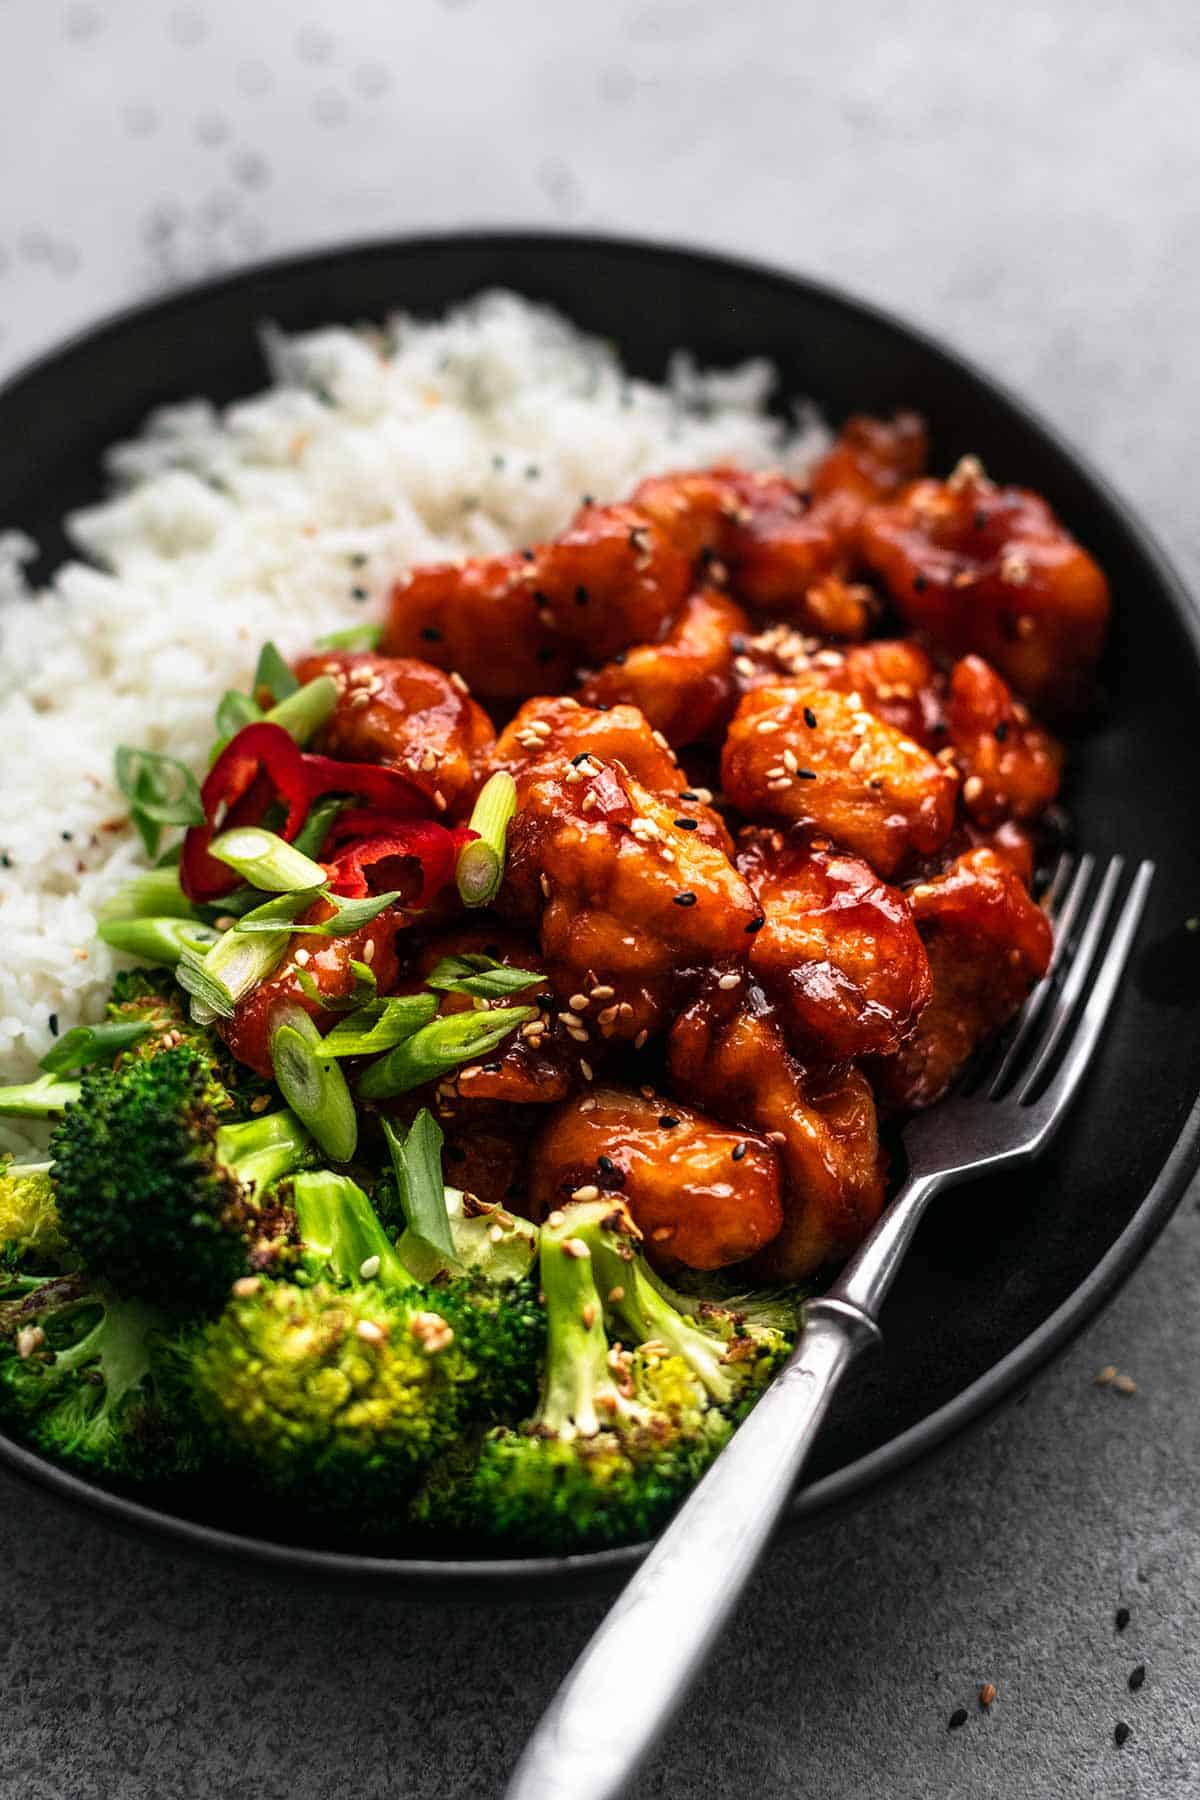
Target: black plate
1003 1273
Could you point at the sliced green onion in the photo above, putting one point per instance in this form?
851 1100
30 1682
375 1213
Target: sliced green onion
305 711
350 916
160 791
272 673
267 861
364 991
481 976
481 862
417 1162
38 1099
235 965
313 1085
310 839
269 915
156 894
86 1044
162 941
439 1047
234 711
354 637
380 1025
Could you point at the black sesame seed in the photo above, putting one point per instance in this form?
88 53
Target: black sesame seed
756 924
581 758
1122 1618
1001 731
686 898
532 471
497 461
920 583
738 645
687 824
739 1150
6 861
492 1068
958 1718
668 1121
689 794
53 1023
66 837
587 500
1137 1678
605 1164
431 634
547 1000
581 595
1121 1732
547 653
980 520
806 774
539 598
619 659
528 555
810 718
359 593
358 560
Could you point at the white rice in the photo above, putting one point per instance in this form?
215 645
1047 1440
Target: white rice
369 452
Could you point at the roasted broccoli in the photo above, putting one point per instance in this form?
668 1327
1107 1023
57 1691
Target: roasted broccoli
625 1425
341 1383
90 1379
31 1233
154 997
155 1193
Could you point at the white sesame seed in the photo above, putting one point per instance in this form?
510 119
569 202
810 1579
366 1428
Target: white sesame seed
579 1003
368 954
303 957
586 1070
587 1192
729 981
370 1332
456 681
640 1040
369 1268
972 788
768 725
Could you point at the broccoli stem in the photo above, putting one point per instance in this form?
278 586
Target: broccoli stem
339 1226
578 1383
262 1151
38 1099
641 1305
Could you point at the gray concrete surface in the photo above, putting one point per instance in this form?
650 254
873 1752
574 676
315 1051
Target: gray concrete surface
1021 178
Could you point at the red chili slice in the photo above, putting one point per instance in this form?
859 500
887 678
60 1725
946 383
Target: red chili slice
429 845
384 788
259 766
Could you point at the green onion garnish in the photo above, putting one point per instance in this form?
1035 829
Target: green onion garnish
354 637
93 1043
417 1162
234 711
363 993
160 791
316 828
156 894
481 976
350 915
439 1047
38 1099
267 861
313 1085
481 862
236 964
162 941
305 711
380 1025
272 673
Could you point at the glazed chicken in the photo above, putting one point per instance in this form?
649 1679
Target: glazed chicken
976 567
703 1195
725 983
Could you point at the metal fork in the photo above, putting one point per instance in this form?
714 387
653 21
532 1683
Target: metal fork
628 1681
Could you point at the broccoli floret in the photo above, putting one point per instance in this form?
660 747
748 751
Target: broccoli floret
620 1435
88 1379
152 996
31 1233
336 1395
343 1382
155 1193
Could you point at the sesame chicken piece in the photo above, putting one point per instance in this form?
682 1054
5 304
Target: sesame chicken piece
685 685
988 943
727 1051
405 714
326 965
991 569
839 952
621 895
894 677
612 579
702 1194
1011 767
813 757
553 733
478 617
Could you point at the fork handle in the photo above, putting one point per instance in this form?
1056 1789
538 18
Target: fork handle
638 1666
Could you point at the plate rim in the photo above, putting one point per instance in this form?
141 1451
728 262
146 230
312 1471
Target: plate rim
856 1480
